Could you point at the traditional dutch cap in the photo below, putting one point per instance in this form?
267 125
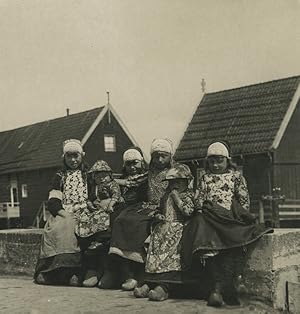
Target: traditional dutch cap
100 165
180 171
218 149
132 154
162 145
72 146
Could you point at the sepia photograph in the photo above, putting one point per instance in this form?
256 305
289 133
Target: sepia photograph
150 156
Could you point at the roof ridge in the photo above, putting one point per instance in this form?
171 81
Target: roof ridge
254 84
216 117
48 120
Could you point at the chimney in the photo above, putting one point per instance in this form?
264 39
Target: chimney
68 111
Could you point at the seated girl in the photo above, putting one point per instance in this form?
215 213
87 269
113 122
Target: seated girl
132 227
107 195
60 259
222 227
93 223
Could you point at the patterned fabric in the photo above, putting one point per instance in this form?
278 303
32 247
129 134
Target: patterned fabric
223 188
109 190
132 154
188 203
217 149
180 171
136 191
156 185
93 221
74 191
72 146
100 165
161 145
164 249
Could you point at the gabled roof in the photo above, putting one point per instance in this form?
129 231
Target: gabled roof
39 145
251 118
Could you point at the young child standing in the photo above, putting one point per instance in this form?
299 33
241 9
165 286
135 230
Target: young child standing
60 259
163 262
106 195
223 226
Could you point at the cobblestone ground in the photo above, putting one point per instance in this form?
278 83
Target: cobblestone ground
21 295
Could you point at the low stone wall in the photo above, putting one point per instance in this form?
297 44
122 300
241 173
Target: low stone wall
272 261
19 250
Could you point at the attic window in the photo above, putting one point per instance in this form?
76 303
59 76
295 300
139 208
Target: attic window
20 145
109 143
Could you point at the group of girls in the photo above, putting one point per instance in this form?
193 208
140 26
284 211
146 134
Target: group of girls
148 231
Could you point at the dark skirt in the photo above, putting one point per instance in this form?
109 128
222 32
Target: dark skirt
217 228
51 265
131 228
59 246
177 277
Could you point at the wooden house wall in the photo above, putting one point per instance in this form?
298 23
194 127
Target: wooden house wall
258 172
287 159
94 147
38 185
4 188
38 181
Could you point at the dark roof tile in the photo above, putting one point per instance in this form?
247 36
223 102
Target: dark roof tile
40 145
248 117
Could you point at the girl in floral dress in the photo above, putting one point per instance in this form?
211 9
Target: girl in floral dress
107 194
93 227
163 263
60 259
132 227
223 225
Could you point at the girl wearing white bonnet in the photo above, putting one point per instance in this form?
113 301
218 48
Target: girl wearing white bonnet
223 227
132 226
60 258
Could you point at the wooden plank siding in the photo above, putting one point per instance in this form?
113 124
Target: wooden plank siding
38 184
258 173
287 168
5 188
94 147
38 181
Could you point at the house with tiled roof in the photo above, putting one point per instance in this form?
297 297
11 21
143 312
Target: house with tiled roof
30 155
262 124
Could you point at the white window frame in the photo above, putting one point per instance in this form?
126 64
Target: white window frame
110 146
24 189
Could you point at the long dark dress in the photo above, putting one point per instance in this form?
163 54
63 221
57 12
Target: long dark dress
224 221
132 227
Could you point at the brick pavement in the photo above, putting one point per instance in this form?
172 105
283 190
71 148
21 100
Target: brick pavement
21 295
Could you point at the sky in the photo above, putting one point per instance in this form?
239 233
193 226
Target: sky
150 55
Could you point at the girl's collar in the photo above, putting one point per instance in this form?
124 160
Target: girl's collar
228 170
